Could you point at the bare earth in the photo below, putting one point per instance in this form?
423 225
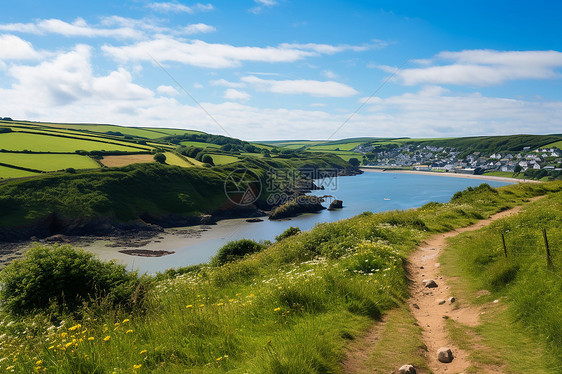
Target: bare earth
124 160
427 307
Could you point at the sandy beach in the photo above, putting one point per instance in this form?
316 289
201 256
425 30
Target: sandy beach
452 175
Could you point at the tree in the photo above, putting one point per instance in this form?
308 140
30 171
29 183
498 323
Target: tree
207 159
160 158
354 162
517 169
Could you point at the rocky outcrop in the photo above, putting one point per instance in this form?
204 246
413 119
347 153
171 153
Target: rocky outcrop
445 355
336 204
296 206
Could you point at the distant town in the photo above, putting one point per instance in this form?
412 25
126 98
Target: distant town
448 159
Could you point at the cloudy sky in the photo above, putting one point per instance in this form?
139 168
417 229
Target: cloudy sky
287 69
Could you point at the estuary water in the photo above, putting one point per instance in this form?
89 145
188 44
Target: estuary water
374 192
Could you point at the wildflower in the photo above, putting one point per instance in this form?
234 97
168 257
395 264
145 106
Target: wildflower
201 305
68 344
63 335
38 363
252 295
276 309
75 327
129 332
189 306
106 338
144 351
220 358
137 366
126 320
91 338
220 304
52 347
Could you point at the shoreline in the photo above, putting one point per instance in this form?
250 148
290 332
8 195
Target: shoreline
451 175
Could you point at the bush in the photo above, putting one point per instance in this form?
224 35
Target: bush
63 277
289 232
160 158
235 250
207 159
354 162
70 170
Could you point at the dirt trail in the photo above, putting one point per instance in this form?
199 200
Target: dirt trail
427 304
427 307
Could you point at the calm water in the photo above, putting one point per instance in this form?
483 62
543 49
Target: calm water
375 192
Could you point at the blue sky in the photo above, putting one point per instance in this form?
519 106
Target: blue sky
285 69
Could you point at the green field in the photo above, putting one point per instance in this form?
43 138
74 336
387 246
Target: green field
555 144
47 162
6 172
173 159
39 143
224 159
199 144
332 147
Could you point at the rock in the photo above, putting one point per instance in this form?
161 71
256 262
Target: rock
451 300
437 264
440 301
59 238
336 204
416 306
445 355
407 369
496 301
430 283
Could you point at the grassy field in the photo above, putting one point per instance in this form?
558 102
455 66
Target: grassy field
173 159
38 143
47 162
124 160
529 291
224 159
292 308
6 173
199 144
333 147
555 144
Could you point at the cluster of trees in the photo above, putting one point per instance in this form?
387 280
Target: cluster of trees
4 130
197 153
205 138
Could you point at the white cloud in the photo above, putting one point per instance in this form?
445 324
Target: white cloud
262 4
68 78
196 28
329 74
483 67
233 94
326 48
202 54
14 48
176 7
225 83
77 28
167 90
301 86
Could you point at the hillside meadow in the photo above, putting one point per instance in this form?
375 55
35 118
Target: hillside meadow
293 307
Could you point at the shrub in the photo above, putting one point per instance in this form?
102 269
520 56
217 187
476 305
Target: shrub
354 161
160 158
207 159
70 170
235 250
289 232
63 277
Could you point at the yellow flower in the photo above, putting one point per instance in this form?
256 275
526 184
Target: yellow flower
38 363
68 344
126 320
106 338
91 338
143 352
52 347
63 335
75 327
201 305
116 323
137 366
231 300
220 304
189 306
129 332
220 358
252 295
276 309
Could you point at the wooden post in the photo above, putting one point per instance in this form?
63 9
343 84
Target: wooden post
504 246
548 259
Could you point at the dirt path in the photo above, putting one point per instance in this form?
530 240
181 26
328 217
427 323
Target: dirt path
431 306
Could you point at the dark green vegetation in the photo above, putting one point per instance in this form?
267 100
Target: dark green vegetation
290 308
524 280
62 279
289 232
236 250
146 191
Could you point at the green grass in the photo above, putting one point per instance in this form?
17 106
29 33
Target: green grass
291 308
555 144
332 147
224 159
6 173
40 143
530 291
199 144
47 162
174 159
504 174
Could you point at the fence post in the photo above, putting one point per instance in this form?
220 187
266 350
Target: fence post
548 259
504 246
